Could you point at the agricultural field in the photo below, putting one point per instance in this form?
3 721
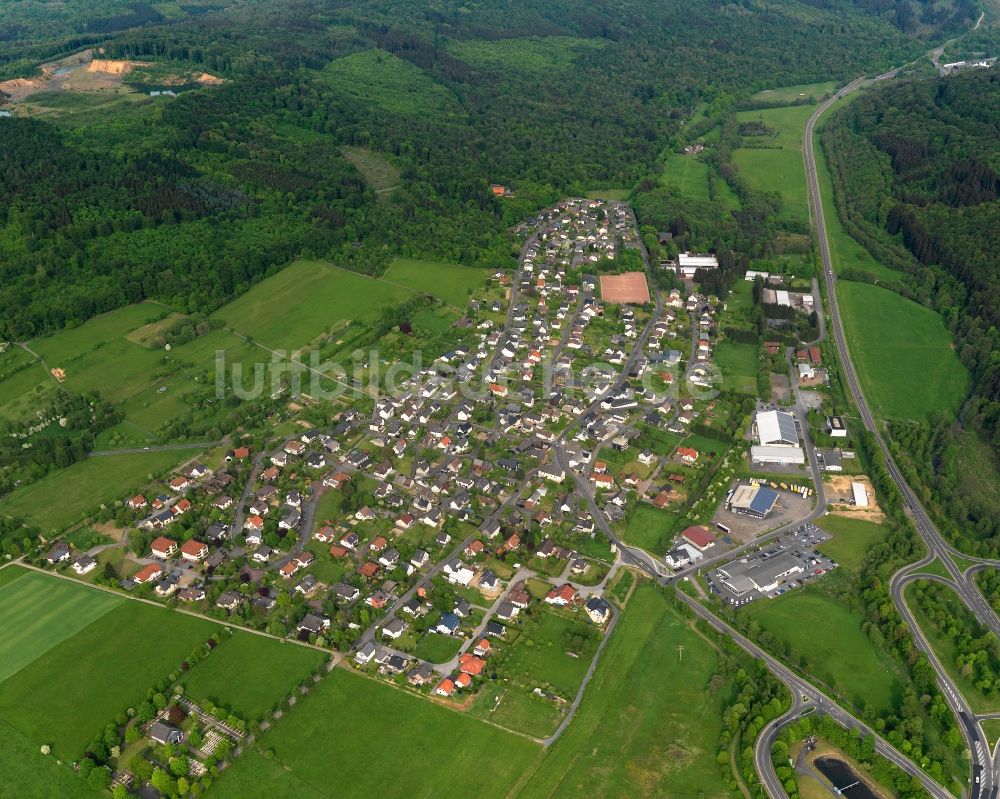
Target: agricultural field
73 690
902 351
852 538
390 83
842 657
427 750
249 674
85 485
738 363
379 173
321 294
631 737
35 616
452 283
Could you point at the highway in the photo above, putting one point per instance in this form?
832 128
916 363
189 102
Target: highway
984 781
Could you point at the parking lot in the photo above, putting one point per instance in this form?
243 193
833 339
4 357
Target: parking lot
790 562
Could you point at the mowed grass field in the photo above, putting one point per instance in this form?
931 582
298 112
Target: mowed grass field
648 725
249 674
28 774
354 737
452 283
77 684
825 632
36 616
738 363
902 351
62 497
852 538
304 300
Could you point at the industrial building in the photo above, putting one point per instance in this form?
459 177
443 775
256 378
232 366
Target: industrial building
860 494
790 562
688 263
777 428
753 500
785 456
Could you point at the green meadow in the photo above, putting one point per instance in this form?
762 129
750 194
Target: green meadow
648 725
842 657
84 486
305 300
250 674
852 538
425 750
738 363
902 351
452 283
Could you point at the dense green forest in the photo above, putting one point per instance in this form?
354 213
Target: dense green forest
192 200
916 170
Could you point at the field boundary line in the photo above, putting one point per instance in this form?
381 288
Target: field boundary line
182 611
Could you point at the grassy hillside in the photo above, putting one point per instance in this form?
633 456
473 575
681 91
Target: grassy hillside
902 352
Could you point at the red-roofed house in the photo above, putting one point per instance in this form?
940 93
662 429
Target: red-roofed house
698 537
148 574
562 595
194 550
445 688
463 680
138 501
687 454
163 547
254 523
470 664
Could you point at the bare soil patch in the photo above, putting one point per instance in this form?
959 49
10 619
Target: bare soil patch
629 287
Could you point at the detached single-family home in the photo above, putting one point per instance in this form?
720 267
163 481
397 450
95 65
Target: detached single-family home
563 595
598 610
84 565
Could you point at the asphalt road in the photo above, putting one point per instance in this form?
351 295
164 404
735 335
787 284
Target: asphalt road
984 780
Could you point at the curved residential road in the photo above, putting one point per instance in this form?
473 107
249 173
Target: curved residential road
984 774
